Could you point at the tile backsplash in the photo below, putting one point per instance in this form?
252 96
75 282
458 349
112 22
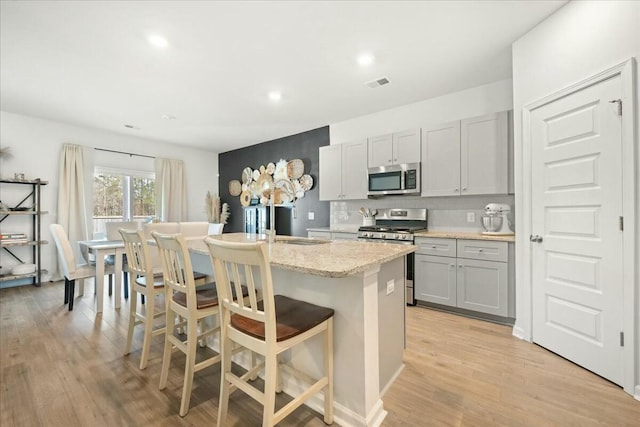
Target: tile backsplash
444 213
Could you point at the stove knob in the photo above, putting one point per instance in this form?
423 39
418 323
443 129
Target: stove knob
397 237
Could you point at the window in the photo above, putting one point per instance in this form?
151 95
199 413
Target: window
121 195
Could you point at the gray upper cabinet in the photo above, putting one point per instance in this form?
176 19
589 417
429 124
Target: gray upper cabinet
394 148
466 157
343 171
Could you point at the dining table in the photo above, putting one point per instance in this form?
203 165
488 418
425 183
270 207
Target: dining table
101 249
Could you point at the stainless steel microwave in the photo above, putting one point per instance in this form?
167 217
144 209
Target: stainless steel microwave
394 179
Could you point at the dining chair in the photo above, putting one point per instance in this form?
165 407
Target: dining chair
71 270
194 306
268 326
112 229
145 283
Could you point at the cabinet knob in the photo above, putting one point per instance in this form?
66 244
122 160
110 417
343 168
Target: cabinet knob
456 190
433 246
460 266
535 239
451 265
479 250
464 188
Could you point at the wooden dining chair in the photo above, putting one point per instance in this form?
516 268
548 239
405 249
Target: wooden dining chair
146 284
194 306
112 229
268 327
71 270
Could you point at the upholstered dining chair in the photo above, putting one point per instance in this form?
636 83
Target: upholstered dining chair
268 326
71 270
182 299
145 283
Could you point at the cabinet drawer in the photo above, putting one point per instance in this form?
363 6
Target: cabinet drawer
319 234
483 250
436 246
343 235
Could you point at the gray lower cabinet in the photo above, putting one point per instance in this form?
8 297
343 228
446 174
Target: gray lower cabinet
474 275
332 235
435 279
482 286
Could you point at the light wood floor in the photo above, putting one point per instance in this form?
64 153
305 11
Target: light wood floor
66 368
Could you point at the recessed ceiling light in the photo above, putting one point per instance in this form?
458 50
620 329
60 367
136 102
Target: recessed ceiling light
275 96
158 41
365 59
168 117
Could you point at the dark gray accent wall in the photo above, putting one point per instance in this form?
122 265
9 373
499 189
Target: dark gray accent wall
302 146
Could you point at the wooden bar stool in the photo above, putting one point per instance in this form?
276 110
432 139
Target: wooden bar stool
268 327
182 299
145 283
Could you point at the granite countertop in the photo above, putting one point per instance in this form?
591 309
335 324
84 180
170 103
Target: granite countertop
466 235
340 258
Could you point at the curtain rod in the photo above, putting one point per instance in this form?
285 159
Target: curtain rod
124 152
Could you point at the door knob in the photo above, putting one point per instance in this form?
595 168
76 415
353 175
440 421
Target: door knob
535 238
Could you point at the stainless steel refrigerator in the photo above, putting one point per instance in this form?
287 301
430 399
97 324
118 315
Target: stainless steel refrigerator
257 221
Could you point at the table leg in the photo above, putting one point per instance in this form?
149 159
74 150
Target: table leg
99 280
118 273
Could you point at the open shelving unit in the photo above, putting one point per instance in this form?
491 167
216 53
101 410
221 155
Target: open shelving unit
34 240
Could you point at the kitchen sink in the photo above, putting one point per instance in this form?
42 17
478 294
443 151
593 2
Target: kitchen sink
302 241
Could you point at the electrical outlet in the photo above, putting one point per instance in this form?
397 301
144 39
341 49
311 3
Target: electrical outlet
390 286
471 217
311 216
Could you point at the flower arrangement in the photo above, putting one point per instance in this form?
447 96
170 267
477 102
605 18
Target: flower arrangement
215 213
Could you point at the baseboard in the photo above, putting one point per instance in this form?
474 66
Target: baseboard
392 380
518 332
637 393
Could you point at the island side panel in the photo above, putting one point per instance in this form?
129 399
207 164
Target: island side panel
391 329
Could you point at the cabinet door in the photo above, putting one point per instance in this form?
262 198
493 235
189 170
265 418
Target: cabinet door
354 170
482 286
343 235
330 172
483 155
406 146
380 150
441 160
435 279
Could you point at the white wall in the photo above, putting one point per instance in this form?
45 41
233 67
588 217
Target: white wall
36 144
578 41
489 98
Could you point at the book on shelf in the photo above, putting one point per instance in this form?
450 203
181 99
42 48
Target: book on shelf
7 236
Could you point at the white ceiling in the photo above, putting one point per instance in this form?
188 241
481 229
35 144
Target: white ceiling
89 63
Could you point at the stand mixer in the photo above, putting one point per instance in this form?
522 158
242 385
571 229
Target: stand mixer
495 221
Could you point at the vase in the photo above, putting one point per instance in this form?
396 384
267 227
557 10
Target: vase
215 228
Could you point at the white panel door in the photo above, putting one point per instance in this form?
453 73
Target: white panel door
576 203
330 172
441 160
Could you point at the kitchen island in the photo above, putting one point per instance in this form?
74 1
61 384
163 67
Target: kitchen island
364 284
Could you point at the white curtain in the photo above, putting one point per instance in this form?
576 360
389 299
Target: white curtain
171 190
72 208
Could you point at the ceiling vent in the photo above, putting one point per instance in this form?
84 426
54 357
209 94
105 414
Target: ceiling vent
378 82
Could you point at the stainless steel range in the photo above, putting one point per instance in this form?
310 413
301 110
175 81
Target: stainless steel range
397 226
